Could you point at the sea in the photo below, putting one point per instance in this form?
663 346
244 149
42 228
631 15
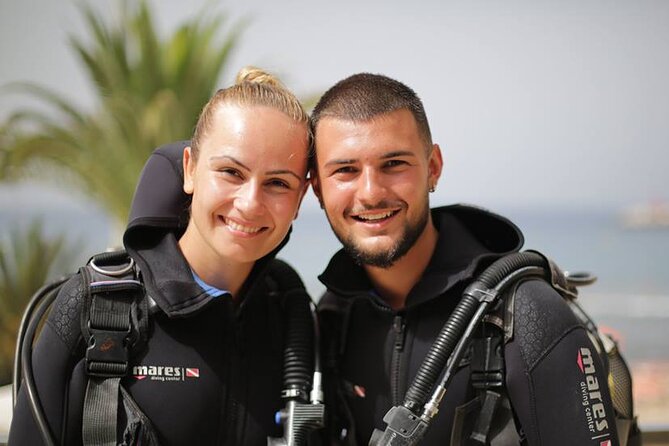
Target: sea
630 297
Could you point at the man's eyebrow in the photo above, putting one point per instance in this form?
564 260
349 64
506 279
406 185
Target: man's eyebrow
339 162
393 154
398 153
243 166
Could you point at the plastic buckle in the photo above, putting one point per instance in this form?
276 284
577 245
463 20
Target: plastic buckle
107 354
487 365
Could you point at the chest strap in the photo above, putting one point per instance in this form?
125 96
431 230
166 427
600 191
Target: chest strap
113 323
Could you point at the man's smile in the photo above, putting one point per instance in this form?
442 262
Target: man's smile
374 217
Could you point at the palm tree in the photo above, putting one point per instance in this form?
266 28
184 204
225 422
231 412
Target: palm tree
150 91
27 260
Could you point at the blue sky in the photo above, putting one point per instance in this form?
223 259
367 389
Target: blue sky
534 103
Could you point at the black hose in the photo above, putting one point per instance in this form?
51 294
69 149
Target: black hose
503 267
25 319
299 346
441 349
453 329
27 370
298 354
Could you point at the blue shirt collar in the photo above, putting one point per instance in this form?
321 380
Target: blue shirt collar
209 289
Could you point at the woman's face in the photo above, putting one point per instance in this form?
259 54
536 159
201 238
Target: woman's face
247 183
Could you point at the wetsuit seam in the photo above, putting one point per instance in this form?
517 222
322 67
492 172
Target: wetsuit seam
533 411
70 348
530 381
549 347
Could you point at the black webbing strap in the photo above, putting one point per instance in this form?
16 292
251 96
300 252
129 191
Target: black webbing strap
101 411
110 326
487 377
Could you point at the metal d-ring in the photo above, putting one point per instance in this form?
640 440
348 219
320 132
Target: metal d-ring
113 273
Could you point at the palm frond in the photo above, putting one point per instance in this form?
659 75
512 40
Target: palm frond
28 259
150 91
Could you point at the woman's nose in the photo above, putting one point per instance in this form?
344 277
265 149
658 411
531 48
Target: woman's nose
249 199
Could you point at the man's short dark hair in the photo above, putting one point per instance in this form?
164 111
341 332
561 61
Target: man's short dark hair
363 96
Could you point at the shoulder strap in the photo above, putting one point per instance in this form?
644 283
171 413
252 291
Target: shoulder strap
495 416
334 316
114 321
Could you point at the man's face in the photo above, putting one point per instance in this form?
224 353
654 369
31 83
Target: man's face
373 179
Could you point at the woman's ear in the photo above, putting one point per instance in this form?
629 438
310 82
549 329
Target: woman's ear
303 192
189 169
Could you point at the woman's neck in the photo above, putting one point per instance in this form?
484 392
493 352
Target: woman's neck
214 270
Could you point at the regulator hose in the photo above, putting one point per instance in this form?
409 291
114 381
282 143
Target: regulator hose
304 410
42 301
23 326
298 362
492 278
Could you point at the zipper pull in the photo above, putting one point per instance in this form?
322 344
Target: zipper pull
398 328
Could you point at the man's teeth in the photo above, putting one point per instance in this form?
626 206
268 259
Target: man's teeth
238 227
370 217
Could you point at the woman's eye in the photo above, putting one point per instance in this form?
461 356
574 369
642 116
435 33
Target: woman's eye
230 172
279 183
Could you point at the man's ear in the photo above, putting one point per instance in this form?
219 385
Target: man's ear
434 166
189 169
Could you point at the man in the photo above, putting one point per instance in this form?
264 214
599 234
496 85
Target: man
402 271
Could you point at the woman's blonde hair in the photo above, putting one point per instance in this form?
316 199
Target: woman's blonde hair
253 86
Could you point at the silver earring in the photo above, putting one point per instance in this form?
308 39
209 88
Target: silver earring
432 188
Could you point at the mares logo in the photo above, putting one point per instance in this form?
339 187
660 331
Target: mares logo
163 373
591 396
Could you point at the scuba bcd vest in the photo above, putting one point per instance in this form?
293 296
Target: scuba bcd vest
475 333
115 324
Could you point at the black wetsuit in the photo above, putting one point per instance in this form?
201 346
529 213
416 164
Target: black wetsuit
382 349
211 370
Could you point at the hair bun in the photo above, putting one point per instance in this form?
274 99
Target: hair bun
256 75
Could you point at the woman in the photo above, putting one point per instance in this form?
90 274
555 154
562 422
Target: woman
207 366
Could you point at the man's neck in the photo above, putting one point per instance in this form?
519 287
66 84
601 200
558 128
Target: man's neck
394 284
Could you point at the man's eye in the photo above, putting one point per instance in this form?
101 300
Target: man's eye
344 170
395 163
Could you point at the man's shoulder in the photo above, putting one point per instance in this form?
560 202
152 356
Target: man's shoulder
538 300
540 318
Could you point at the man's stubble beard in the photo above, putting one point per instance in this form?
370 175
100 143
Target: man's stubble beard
387 258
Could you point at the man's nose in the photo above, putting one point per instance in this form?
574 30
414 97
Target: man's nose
371 188
249 199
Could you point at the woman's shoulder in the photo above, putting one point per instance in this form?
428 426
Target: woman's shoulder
65 315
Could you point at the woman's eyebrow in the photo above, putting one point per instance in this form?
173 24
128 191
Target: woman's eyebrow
243 166
228 157
283 172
